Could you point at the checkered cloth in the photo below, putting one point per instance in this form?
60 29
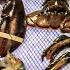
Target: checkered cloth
36 40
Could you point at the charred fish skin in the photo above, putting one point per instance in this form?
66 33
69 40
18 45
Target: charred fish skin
12 22
61 61
58 39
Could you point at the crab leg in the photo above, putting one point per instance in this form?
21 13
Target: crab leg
65 26
61 61
58 45
37 19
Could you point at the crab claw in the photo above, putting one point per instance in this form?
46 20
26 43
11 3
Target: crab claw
59 44
38 19
58 63
43 55
65 26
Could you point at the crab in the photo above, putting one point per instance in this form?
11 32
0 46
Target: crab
12 25
63 60
54 14
60 43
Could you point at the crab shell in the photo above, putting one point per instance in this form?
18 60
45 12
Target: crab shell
39 19
65 26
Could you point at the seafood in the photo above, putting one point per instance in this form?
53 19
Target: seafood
61 61
11 63
37 19
58 45
52 15
12 25
65 26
